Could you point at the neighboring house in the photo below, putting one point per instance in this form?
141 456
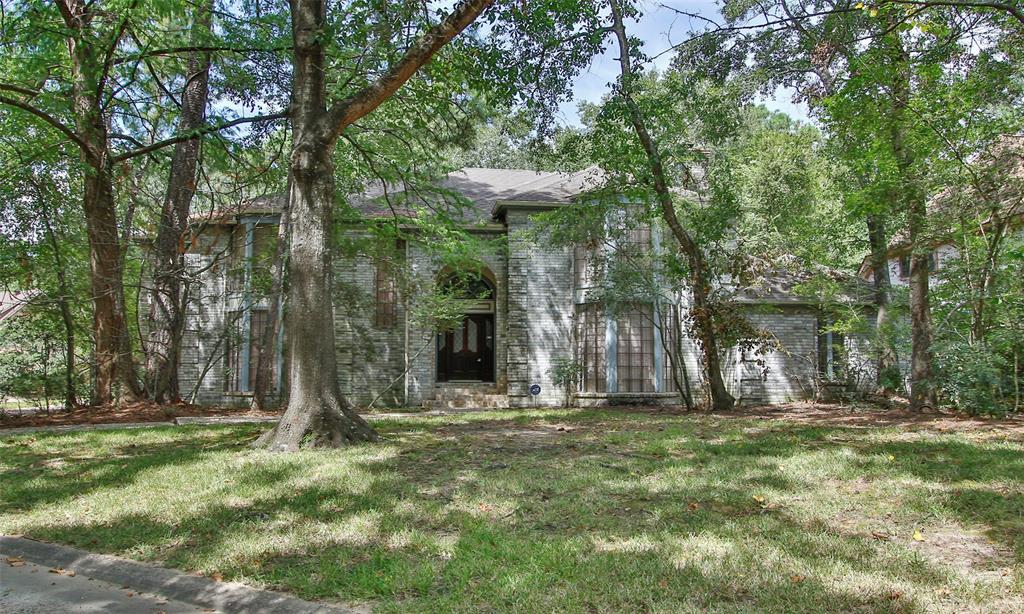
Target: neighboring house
528 308
12 302
898 257
999 173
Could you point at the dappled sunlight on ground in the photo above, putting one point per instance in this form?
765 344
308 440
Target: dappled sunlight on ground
555 509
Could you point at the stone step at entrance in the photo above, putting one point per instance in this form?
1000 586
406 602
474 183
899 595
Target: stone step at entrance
461 396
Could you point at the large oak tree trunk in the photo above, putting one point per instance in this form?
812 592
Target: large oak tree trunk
112 347
110 336
168 305
887 367
700 287
318 414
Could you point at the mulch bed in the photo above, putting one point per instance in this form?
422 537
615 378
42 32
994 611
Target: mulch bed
142 411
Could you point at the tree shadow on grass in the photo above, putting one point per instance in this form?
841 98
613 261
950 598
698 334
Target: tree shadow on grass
35 478
458 519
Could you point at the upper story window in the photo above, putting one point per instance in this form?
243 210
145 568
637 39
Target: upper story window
904 264
251 257
637 241
933 264
385 293
584 262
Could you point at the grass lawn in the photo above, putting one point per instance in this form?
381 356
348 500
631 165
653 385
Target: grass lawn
596 511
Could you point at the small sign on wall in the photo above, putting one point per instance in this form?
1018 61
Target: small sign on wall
535 389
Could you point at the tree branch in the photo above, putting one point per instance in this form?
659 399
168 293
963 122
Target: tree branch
108 57
191 134
369 98
53 121
200 48
1015 11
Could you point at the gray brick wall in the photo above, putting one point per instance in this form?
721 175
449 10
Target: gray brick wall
789 370
369 358
534 310
540 325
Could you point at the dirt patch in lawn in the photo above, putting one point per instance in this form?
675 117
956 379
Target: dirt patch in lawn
127 412
873 417
859 416
506 434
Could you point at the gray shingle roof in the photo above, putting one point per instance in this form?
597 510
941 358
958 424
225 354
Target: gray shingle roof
472 193
469 194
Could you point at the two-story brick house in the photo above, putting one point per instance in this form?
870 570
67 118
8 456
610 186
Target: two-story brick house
527 309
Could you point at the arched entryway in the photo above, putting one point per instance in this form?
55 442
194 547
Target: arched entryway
466 352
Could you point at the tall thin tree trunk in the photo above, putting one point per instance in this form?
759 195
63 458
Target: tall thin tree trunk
987 276
70 395
267 351
112 346
167 311
887 368
700 286
913 200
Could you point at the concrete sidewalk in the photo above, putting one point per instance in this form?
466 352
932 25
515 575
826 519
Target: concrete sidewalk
37 577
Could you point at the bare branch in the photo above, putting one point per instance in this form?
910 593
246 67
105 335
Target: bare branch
202 48
184 136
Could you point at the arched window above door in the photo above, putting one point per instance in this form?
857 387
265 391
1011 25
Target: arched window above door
470 287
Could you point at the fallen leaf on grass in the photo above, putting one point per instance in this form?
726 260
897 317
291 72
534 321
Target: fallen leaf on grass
880 535
694 506
797 578
918 536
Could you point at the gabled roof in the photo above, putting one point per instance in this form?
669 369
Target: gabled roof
473 195
1000 174
470 194
13 301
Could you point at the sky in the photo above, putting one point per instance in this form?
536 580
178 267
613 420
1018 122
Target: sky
659 27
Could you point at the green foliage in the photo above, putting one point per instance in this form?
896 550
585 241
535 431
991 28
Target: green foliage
980 331
975 378
616 511
32 356
566 374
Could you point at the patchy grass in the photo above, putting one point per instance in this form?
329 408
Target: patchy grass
548 510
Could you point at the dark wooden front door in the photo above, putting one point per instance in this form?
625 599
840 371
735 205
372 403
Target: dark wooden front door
467 352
